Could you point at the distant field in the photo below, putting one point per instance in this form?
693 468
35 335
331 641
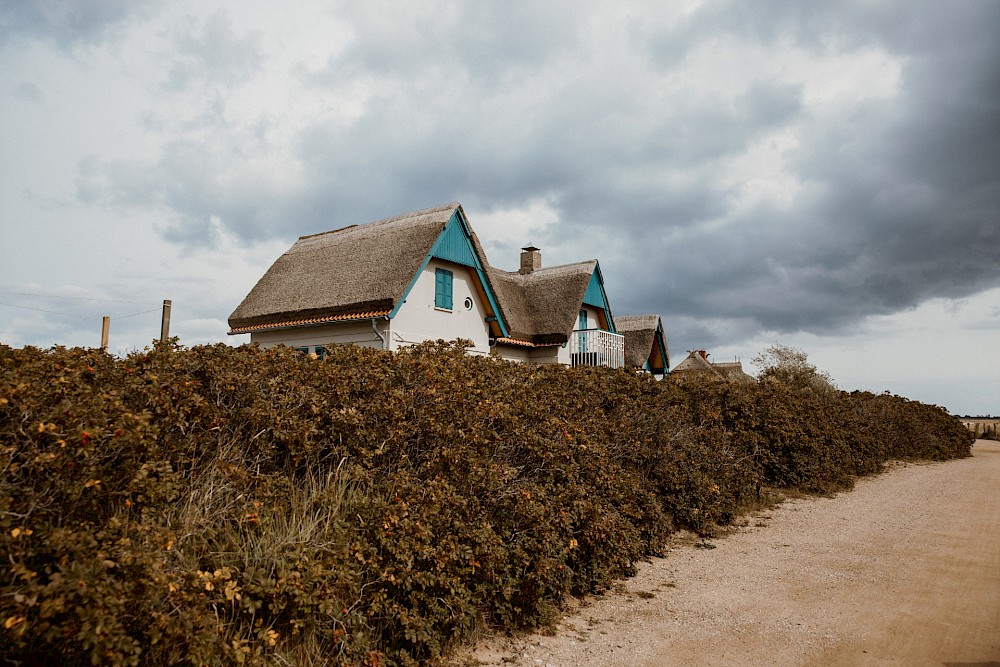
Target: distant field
982 426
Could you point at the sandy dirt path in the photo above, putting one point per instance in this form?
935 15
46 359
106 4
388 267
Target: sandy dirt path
903 570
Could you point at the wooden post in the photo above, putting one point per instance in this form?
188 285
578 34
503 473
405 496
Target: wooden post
105 326
165 321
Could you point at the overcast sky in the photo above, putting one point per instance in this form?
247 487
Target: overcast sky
824 175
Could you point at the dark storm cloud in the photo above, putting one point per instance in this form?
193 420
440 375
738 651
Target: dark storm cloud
908 204
920 192
595 146
899 196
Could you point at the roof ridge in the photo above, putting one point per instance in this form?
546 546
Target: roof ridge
361 266
586 266
636 322
384 221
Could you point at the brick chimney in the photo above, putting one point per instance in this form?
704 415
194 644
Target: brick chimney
531 259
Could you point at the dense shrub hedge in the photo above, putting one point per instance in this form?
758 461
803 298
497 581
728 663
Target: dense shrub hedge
221 505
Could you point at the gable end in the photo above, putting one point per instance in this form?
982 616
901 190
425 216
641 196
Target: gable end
454 244
596 297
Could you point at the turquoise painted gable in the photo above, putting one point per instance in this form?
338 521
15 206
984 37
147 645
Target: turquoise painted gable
594 296
597 298
454 244
661 342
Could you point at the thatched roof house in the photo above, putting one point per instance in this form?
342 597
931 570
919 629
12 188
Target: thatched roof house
542 306
732 370
696 364
645 343
360 271
424 275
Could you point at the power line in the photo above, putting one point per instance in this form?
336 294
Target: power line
154 310
78 298
42 310
81 317
105 320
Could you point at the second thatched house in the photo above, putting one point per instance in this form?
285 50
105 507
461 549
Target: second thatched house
424 276
645 343
696 364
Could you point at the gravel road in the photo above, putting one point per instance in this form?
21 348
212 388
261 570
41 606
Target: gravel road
903 570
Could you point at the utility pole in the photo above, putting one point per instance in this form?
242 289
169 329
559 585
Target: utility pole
105 326
165 321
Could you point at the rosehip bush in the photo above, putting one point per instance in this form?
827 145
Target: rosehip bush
240 506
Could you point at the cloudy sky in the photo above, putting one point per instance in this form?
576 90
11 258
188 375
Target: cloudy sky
822 175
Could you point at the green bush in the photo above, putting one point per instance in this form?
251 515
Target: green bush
220 505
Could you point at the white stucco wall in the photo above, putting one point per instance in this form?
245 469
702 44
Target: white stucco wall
418 320
556 355
593 322
357 333
534 355
512 353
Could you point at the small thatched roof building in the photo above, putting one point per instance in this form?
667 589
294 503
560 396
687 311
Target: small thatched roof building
645 343
732 370
696 364
541 305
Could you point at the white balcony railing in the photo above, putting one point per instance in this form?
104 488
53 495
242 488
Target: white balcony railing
595 347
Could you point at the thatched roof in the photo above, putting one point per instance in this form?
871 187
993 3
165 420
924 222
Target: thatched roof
695 362
640 338
355 270
732 370
542 307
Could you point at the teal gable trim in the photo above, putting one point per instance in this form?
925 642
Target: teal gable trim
454 244
661 340
596 297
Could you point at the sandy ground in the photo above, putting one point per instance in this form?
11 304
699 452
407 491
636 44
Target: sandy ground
904 570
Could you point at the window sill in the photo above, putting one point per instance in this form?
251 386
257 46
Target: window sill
443 310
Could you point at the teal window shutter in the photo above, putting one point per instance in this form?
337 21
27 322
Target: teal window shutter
443 280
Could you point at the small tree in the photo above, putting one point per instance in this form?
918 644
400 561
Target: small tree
790 365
